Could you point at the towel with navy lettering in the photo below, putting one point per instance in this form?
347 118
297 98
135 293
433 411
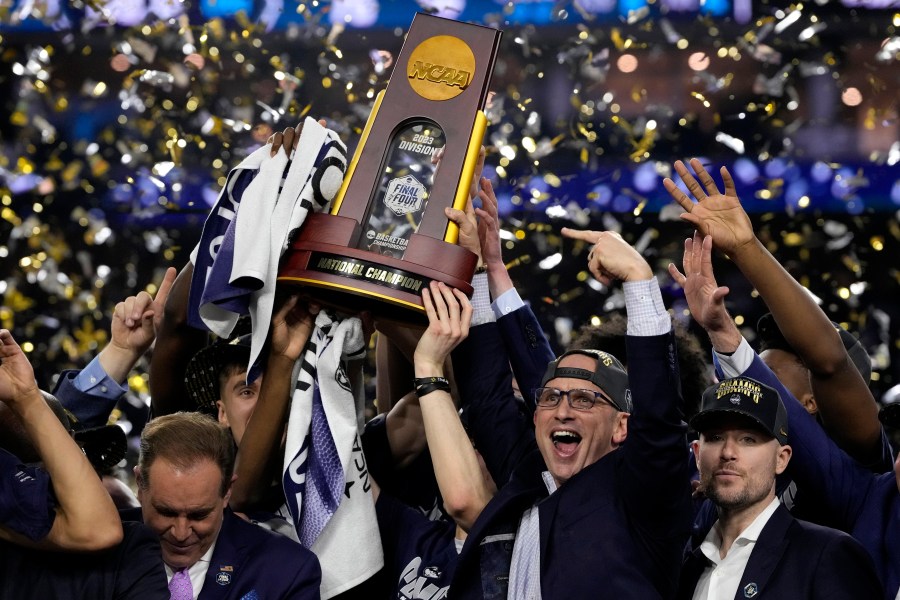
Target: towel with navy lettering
264 201
326 480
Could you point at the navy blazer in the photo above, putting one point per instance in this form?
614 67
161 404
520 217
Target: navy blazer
615 530
528 349
793 559
859 502
252 563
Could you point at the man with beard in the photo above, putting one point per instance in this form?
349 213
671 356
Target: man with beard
756 546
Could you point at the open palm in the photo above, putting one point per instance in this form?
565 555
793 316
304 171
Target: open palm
715 214
705 298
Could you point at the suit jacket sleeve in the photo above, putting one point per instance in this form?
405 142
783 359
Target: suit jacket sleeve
307 582
527 348
817 464
91 410
502 431
656 481
26 498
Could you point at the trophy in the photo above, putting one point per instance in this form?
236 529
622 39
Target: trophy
386 236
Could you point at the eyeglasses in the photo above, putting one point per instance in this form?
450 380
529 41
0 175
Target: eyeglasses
548 397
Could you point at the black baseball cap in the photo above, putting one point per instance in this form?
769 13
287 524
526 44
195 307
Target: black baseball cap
610 375
743 397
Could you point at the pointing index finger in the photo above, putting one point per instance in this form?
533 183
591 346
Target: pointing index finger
580 234
166 286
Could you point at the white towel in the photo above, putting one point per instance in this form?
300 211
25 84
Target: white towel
236 266
326 480
250 227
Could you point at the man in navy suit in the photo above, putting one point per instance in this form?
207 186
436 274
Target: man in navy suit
184 476
576 498
756 547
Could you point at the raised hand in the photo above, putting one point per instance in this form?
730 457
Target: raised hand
714 214
489 225
292 326
449 315
287 139
16 374
705 298
475 186
136 319
465 219
468 227
611 258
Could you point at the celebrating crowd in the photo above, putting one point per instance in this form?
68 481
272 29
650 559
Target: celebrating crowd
628 466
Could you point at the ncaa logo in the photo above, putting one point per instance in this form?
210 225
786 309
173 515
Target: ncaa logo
735 399
223 578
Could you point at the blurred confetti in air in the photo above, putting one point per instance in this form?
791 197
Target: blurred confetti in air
122 117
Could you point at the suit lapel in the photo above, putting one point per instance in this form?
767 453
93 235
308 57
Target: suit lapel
694 564
225 563
766 555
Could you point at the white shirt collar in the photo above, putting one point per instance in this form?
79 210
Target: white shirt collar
710 545
549 482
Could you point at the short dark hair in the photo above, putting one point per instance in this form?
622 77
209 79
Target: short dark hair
185 439
209 368
694 364
235 366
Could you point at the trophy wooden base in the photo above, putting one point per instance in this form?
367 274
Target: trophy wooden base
336 274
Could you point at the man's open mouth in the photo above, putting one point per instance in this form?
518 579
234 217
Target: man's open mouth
565 442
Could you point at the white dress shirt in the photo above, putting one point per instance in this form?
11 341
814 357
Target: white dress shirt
722 576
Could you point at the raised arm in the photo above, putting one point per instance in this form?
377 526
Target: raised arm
503 434
134 325
259 457
92 393
527 346
845 403
655 451
176 343
86 518
456 467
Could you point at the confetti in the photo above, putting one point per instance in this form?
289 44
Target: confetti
123 118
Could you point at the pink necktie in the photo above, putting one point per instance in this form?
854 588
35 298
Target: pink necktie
180 586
